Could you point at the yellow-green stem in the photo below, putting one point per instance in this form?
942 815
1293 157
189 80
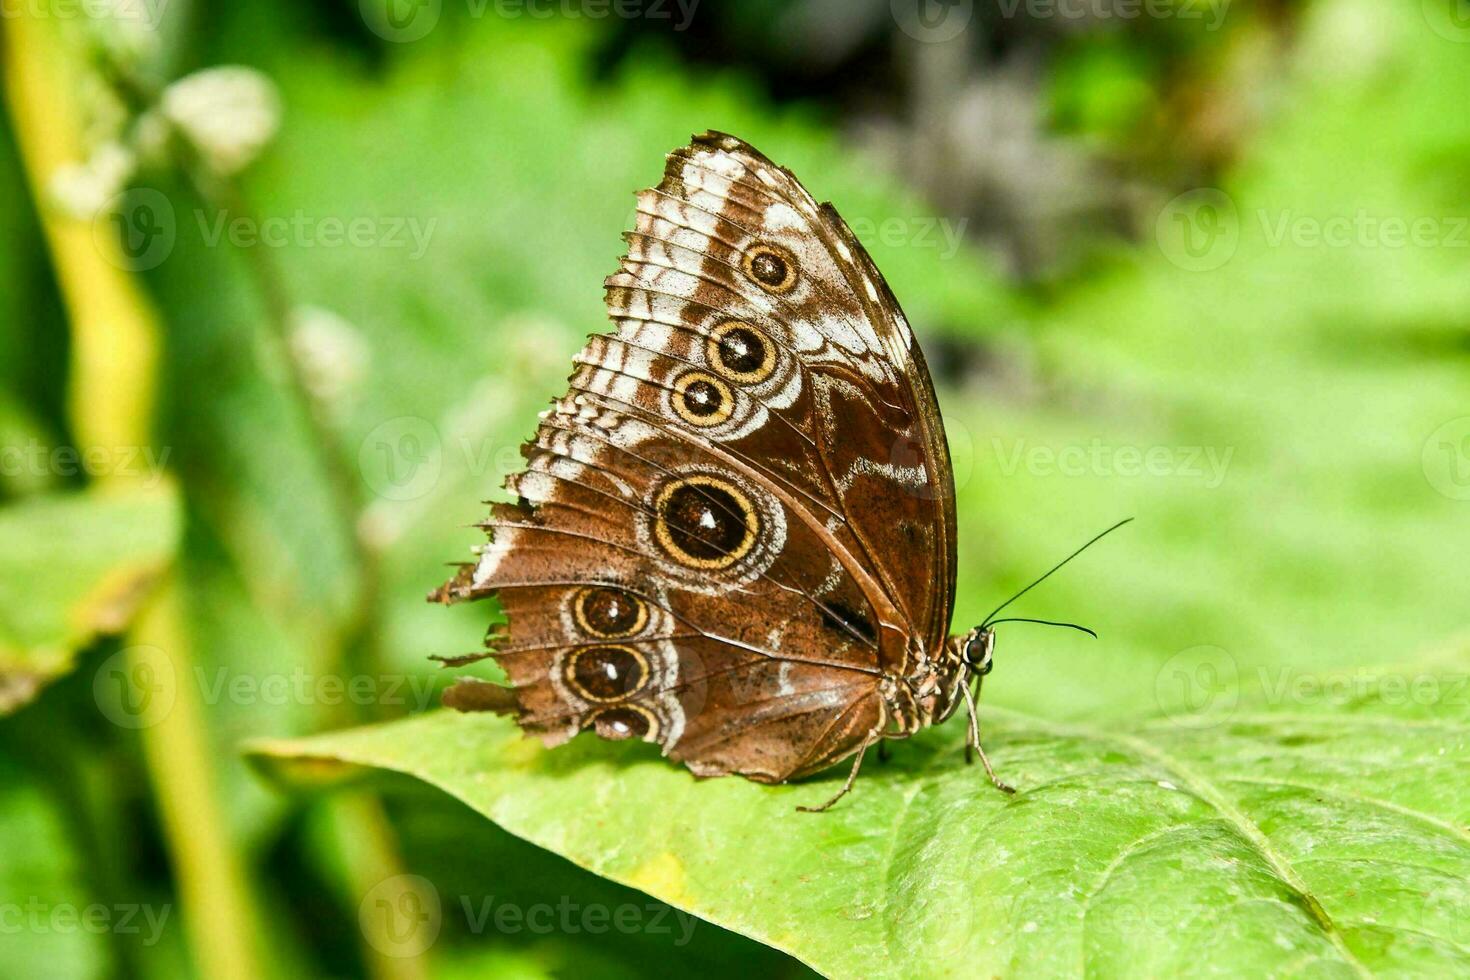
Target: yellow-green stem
111 394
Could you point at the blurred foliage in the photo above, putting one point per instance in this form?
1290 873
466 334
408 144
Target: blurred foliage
1317 373
78 566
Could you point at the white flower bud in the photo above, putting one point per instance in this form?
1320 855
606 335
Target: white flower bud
228 113
83 189
331 353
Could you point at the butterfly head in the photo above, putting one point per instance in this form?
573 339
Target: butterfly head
977 650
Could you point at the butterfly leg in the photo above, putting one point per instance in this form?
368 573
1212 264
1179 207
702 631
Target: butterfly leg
972 738
857 763
882 751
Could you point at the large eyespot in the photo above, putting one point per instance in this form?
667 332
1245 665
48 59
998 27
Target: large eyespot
605 674
608 613
625 721
702 399
705 522
741 352
771 266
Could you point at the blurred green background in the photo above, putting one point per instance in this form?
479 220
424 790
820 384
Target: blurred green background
1202 263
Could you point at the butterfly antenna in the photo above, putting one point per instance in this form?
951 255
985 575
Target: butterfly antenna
1043 622
989 619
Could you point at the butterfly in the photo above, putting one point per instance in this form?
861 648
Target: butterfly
735 533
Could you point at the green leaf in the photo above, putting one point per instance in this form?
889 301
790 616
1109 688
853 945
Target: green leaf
42 884
74 567
1317 827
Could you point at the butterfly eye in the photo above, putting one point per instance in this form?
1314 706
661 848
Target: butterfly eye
604 674
979 653
741 352
702 399
772 267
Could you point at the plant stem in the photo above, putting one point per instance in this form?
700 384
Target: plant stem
115 342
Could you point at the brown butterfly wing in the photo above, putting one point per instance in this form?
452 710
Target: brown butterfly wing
718 635
740 518
881 459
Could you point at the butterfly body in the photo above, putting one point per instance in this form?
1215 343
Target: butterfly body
735 534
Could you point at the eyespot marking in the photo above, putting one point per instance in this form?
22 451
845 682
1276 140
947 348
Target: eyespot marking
625 721
741 352
606 674
772 267
705 522
702 399
609 614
